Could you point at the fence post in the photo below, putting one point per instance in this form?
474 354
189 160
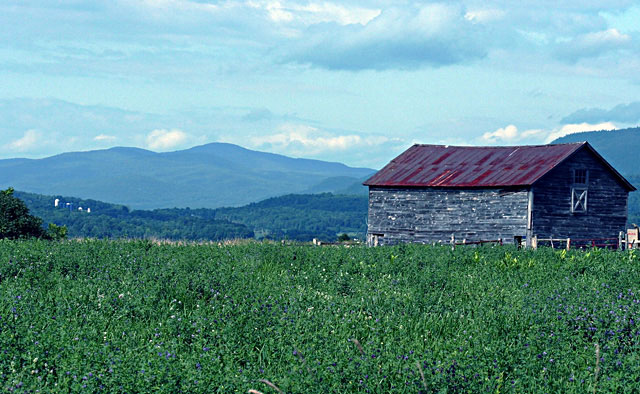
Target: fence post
620 240
453 241
568 244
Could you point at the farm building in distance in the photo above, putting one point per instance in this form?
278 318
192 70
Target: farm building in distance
430 192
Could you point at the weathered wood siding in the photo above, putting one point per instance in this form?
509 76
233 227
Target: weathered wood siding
606 213
427 215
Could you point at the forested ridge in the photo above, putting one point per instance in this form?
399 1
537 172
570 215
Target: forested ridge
296 217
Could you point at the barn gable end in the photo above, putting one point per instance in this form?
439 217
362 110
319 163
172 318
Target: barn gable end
605 197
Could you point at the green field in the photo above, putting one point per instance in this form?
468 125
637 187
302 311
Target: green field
118 316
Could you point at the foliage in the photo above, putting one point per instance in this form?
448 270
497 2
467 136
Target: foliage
56 232
344 237
118 316
634 202
303 217
15 220
117 221
299 217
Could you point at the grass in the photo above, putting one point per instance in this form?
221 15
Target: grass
118 316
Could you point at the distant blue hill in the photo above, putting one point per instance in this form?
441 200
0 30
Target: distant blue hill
621 148
207 176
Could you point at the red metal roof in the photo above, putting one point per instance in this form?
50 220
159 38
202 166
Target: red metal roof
468 166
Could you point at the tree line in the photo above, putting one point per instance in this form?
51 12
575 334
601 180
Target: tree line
295 217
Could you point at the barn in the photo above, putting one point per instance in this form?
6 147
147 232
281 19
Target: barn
430 192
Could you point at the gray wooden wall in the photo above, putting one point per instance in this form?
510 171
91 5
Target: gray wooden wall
606 213
428 215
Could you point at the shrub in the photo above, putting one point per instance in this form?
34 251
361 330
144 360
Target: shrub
15 220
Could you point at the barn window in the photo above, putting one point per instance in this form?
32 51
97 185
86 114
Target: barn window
578 200
580 176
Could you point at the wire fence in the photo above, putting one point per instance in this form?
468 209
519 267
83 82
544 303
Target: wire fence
622 242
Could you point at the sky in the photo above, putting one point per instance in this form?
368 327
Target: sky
356 82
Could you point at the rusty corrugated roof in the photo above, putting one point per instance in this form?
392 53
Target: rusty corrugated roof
468 166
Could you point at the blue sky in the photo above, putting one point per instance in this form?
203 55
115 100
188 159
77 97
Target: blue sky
356 82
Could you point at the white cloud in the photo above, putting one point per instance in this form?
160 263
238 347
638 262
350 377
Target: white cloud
178 5
508 133
605 37
592 44
328 12
399 37
313 13
484 15
626 20
303 139
577 128
166 139
104 137
537 133
331 34
30 140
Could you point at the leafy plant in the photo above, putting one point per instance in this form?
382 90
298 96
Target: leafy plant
122 316
57 232
344 237
15 220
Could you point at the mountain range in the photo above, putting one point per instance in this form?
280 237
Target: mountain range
206 176
225 175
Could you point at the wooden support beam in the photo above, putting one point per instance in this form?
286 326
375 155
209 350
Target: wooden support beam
529 243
